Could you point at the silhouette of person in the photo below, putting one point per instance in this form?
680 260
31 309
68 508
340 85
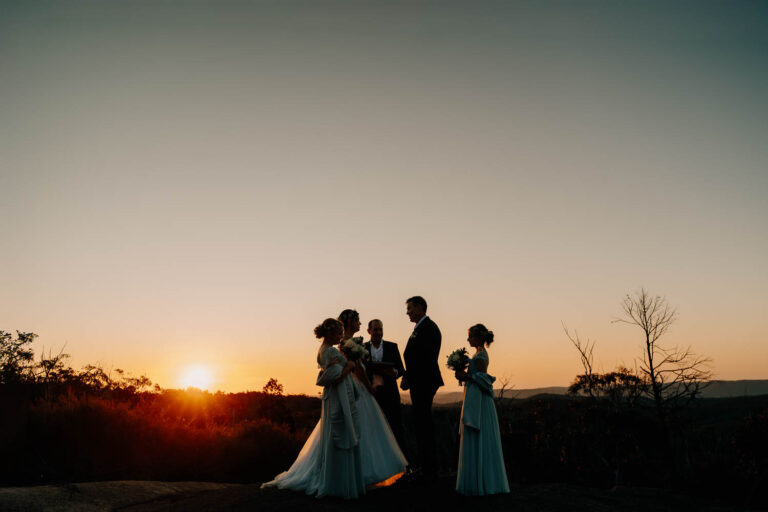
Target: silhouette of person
384 369
422 378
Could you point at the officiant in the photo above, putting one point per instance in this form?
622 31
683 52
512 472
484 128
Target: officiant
384 368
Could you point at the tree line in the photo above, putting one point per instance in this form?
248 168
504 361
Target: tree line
644 425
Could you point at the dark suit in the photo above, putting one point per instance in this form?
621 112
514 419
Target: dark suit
423 375
387 395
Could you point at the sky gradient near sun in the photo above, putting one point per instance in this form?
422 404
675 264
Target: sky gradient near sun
200 183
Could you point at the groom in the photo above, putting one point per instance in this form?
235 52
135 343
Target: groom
422 377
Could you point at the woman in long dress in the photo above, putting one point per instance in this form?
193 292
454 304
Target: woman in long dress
383 461
481 460
330 464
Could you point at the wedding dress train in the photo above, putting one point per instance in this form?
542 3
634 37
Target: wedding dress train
351 447
383 461
329 464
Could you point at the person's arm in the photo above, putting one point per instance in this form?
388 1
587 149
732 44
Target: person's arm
350 366
436 339
428 349
362 377
369 366
399 368
330 374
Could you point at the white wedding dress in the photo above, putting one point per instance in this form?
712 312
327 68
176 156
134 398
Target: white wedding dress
381 460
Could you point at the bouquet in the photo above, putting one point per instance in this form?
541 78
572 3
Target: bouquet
458 360
353 349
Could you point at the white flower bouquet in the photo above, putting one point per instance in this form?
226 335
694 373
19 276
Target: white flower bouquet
353 349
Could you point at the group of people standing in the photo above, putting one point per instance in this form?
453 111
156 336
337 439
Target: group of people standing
358 442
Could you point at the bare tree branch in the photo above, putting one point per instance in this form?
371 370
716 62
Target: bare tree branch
586 352
675 375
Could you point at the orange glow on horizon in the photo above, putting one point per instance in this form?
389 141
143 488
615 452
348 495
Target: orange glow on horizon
197 376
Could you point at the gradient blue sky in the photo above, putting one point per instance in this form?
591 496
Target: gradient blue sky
199 182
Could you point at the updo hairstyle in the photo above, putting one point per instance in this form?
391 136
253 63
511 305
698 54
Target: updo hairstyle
347 316
482 333
328 326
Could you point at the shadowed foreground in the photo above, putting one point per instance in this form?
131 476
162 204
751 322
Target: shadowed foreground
201 496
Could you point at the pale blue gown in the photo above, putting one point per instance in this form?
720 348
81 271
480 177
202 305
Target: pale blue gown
330 462
481 460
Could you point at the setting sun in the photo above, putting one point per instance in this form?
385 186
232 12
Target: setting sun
196 376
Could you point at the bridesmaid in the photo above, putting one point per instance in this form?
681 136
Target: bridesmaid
481 461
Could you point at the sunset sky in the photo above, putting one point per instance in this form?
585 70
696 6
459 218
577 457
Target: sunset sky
198 184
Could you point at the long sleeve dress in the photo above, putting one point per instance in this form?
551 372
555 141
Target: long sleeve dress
481 461
329 464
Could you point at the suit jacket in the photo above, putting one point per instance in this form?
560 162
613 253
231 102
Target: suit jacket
391 355
421 354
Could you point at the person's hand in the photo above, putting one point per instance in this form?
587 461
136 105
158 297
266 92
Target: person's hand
404 384
460 375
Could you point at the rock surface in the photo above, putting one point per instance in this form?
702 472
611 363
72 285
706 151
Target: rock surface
138 496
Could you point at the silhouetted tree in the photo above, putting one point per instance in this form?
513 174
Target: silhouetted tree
586 352
502 387
674 376
273 406
272 387
16 357
622 387
53 374
95 377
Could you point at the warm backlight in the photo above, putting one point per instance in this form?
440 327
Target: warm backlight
196 376
389 481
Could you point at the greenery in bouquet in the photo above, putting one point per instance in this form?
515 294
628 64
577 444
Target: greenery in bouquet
458 359
353 349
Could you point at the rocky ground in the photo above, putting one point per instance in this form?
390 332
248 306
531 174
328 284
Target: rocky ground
141 496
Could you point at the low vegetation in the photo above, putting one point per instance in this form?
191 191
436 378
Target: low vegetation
62 425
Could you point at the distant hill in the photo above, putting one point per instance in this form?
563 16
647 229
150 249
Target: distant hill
731 388
715 389
447 397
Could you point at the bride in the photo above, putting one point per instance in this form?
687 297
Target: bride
383 461
352 445
330 462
